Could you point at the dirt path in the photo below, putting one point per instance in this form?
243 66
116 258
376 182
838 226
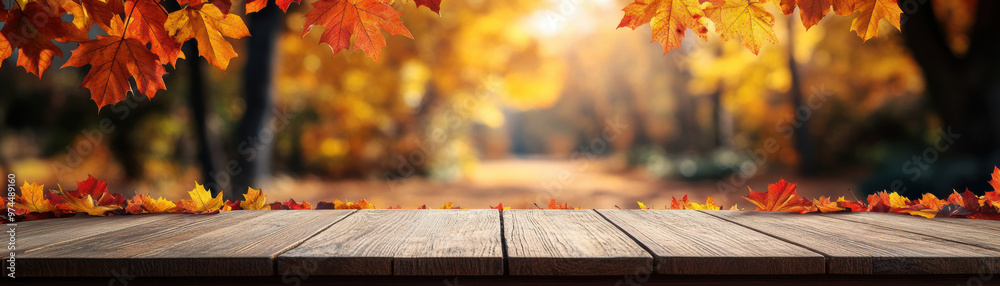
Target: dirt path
520 183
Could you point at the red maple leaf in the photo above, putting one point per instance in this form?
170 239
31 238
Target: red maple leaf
33 42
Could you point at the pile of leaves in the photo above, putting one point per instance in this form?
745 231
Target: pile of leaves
93 198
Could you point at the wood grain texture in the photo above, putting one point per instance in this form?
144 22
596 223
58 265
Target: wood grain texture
49 232
236 243
858 248
570 242
966 231
690 242
403 242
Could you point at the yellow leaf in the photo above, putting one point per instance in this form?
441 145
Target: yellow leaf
708 206
747 19
254 200
32 199
202 201
159 205
641 205
207 25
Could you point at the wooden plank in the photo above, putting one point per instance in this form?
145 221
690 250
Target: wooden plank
964 230
569 242
858 248
236 243
403 242
41 233
693 243
993 225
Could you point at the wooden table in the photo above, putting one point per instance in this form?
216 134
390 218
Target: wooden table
593 247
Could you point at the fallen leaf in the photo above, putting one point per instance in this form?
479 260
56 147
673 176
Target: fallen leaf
254 200
780 197
32 199
202 200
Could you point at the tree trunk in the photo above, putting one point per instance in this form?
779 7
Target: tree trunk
254 140
964 91
209 150
803 139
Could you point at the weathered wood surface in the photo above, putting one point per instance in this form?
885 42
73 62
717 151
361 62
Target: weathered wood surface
237 243
403 242
612 243
957 232
690 242
859 248
570 242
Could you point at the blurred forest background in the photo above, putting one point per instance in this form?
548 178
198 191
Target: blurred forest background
520 101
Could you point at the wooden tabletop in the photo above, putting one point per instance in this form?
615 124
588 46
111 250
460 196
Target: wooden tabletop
514 243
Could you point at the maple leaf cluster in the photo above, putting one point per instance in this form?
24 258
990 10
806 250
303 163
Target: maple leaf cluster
93 198
749 19
141 36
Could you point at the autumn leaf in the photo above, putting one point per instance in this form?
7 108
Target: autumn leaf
872 12
253 6
851 205
449 206
669 20
85 204
32 199
290 205
812 11
113 59
499 207
134 205
209 26
434 5
361 19
283 4
931 201
35 49
825 205
254 200
995 182
679 205
147 26
100 12
337 204
202 200
159 205
641 205
780 197
5 49
708 206
747 19
556 206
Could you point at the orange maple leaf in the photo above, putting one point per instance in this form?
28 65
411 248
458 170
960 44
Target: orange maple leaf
825 205
679 205
812 11
147 26
361 19
32 199
669 19
100 12
500 207
780 197
872 12
254 200
556 206
113 59
209 26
